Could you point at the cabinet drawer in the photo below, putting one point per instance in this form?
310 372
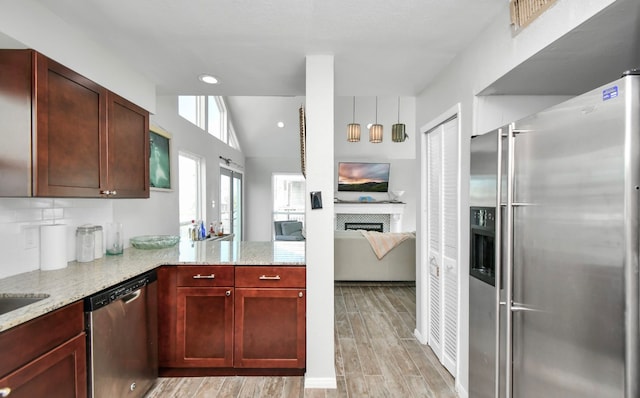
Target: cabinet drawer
32 339
271 277
203 276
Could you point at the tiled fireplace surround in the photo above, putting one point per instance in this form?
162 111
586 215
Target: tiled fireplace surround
389 214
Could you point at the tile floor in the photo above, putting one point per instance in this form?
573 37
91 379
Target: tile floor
376 355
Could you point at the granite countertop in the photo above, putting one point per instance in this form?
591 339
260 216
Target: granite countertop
79 280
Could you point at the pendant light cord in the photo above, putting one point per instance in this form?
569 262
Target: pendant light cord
398 110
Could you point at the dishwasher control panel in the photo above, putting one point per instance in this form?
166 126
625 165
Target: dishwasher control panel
118 291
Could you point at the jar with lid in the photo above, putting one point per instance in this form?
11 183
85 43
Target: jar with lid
85 243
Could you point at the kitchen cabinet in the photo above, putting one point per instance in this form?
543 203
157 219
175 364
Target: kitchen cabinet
69 137
45 356
219 319
270 316
196 329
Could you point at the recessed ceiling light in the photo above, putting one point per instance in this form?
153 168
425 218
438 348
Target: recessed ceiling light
281 124
208 79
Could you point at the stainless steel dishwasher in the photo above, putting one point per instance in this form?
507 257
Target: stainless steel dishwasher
122 338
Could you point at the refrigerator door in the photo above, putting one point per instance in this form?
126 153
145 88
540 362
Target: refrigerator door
568 251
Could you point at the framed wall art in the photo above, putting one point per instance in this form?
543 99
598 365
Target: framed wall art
159 159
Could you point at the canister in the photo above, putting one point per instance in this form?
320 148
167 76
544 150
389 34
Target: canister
85 243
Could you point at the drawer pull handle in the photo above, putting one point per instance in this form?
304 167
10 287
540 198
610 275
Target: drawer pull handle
269 278
212 276
4 392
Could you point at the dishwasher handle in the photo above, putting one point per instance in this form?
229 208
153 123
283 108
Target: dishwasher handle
131 297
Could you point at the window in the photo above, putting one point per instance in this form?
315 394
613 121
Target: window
211 115
190 191
288 197
231 202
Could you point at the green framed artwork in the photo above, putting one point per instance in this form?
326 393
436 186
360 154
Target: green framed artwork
159 159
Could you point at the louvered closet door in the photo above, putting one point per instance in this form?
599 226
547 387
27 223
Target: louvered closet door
442 146
434 149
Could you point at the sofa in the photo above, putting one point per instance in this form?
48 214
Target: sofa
288 230
355 260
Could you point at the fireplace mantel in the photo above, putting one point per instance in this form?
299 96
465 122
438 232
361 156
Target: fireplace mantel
394 209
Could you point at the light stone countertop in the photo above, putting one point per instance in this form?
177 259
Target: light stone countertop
79 280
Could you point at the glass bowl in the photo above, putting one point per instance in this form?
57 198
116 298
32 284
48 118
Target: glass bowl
154 241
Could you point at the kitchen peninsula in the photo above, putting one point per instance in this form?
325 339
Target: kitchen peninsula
79 280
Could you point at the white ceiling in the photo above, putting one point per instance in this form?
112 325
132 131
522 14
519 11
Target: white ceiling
258 47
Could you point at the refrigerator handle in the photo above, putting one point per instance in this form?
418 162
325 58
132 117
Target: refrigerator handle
498 260
509 267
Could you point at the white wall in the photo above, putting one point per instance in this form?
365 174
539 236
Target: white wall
491 55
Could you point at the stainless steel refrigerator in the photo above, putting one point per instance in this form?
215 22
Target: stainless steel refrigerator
555 296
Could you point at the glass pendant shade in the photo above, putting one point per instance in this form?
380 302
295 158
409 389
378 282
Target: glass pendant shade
375 133
353 128
398 133
353 132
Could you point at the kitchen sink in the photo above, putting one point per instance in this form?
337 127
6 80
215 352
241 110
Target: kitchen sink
10 302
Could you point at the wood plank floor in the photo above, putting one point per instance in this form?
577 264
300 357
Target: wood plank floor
376 355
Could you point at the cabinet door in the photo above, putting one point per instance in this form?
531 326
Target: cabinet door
60 373
204 327
128 149
70 135
270 328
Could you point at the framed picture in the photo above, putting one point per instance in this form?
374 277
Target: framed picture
159 159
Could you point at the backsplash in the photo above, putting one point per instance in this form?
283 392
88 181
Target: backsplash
20 220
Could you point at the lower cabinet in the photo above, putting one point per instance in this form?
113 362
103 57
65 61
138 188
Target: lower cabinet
230 320
60 372
205 327
270 328
46 357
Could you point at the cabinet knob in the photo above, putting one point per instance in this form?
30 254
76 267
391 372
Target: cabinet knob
4 392
114 192
228 293
300 294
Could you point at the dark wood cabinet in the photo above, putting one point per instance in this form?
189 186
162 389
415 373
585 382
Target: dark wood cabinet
196 321
205 327
231 320
46 356
80 140
270 317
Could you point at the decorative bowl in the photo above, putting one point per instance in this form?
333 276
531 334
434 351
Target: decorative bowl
154 241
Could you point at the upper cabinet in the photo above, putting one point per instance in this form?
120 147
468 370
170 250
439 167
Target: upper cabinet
69 137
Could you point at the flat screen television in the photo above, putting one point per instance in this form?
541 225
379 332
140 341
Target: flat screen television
363 177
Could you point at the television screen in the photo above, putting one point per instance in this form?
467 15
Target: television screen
363 177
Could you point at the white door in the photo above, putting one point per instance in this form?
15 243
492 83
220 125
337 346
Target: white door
442 241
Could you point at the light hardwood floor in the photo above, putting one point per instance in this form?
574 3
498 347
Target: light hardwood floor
376 355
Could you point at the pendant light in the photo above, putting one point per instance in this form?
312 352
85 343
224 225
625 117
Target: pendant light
375 131
398 133
353 129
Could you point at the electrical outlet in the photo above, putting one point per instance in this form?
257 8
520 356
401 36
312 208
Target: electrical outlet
30 235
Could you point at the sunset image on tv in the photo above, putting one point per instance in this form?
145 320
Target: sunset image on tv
363 177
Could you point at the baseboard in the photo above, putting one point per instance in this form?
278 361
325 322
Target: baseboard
320 382
419 336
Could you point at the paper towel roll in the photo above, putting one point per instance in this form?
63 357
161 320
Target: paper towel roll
53 247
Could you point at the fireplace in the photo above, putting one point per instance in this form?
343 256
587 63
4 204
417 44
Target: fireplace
367 226
389 214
